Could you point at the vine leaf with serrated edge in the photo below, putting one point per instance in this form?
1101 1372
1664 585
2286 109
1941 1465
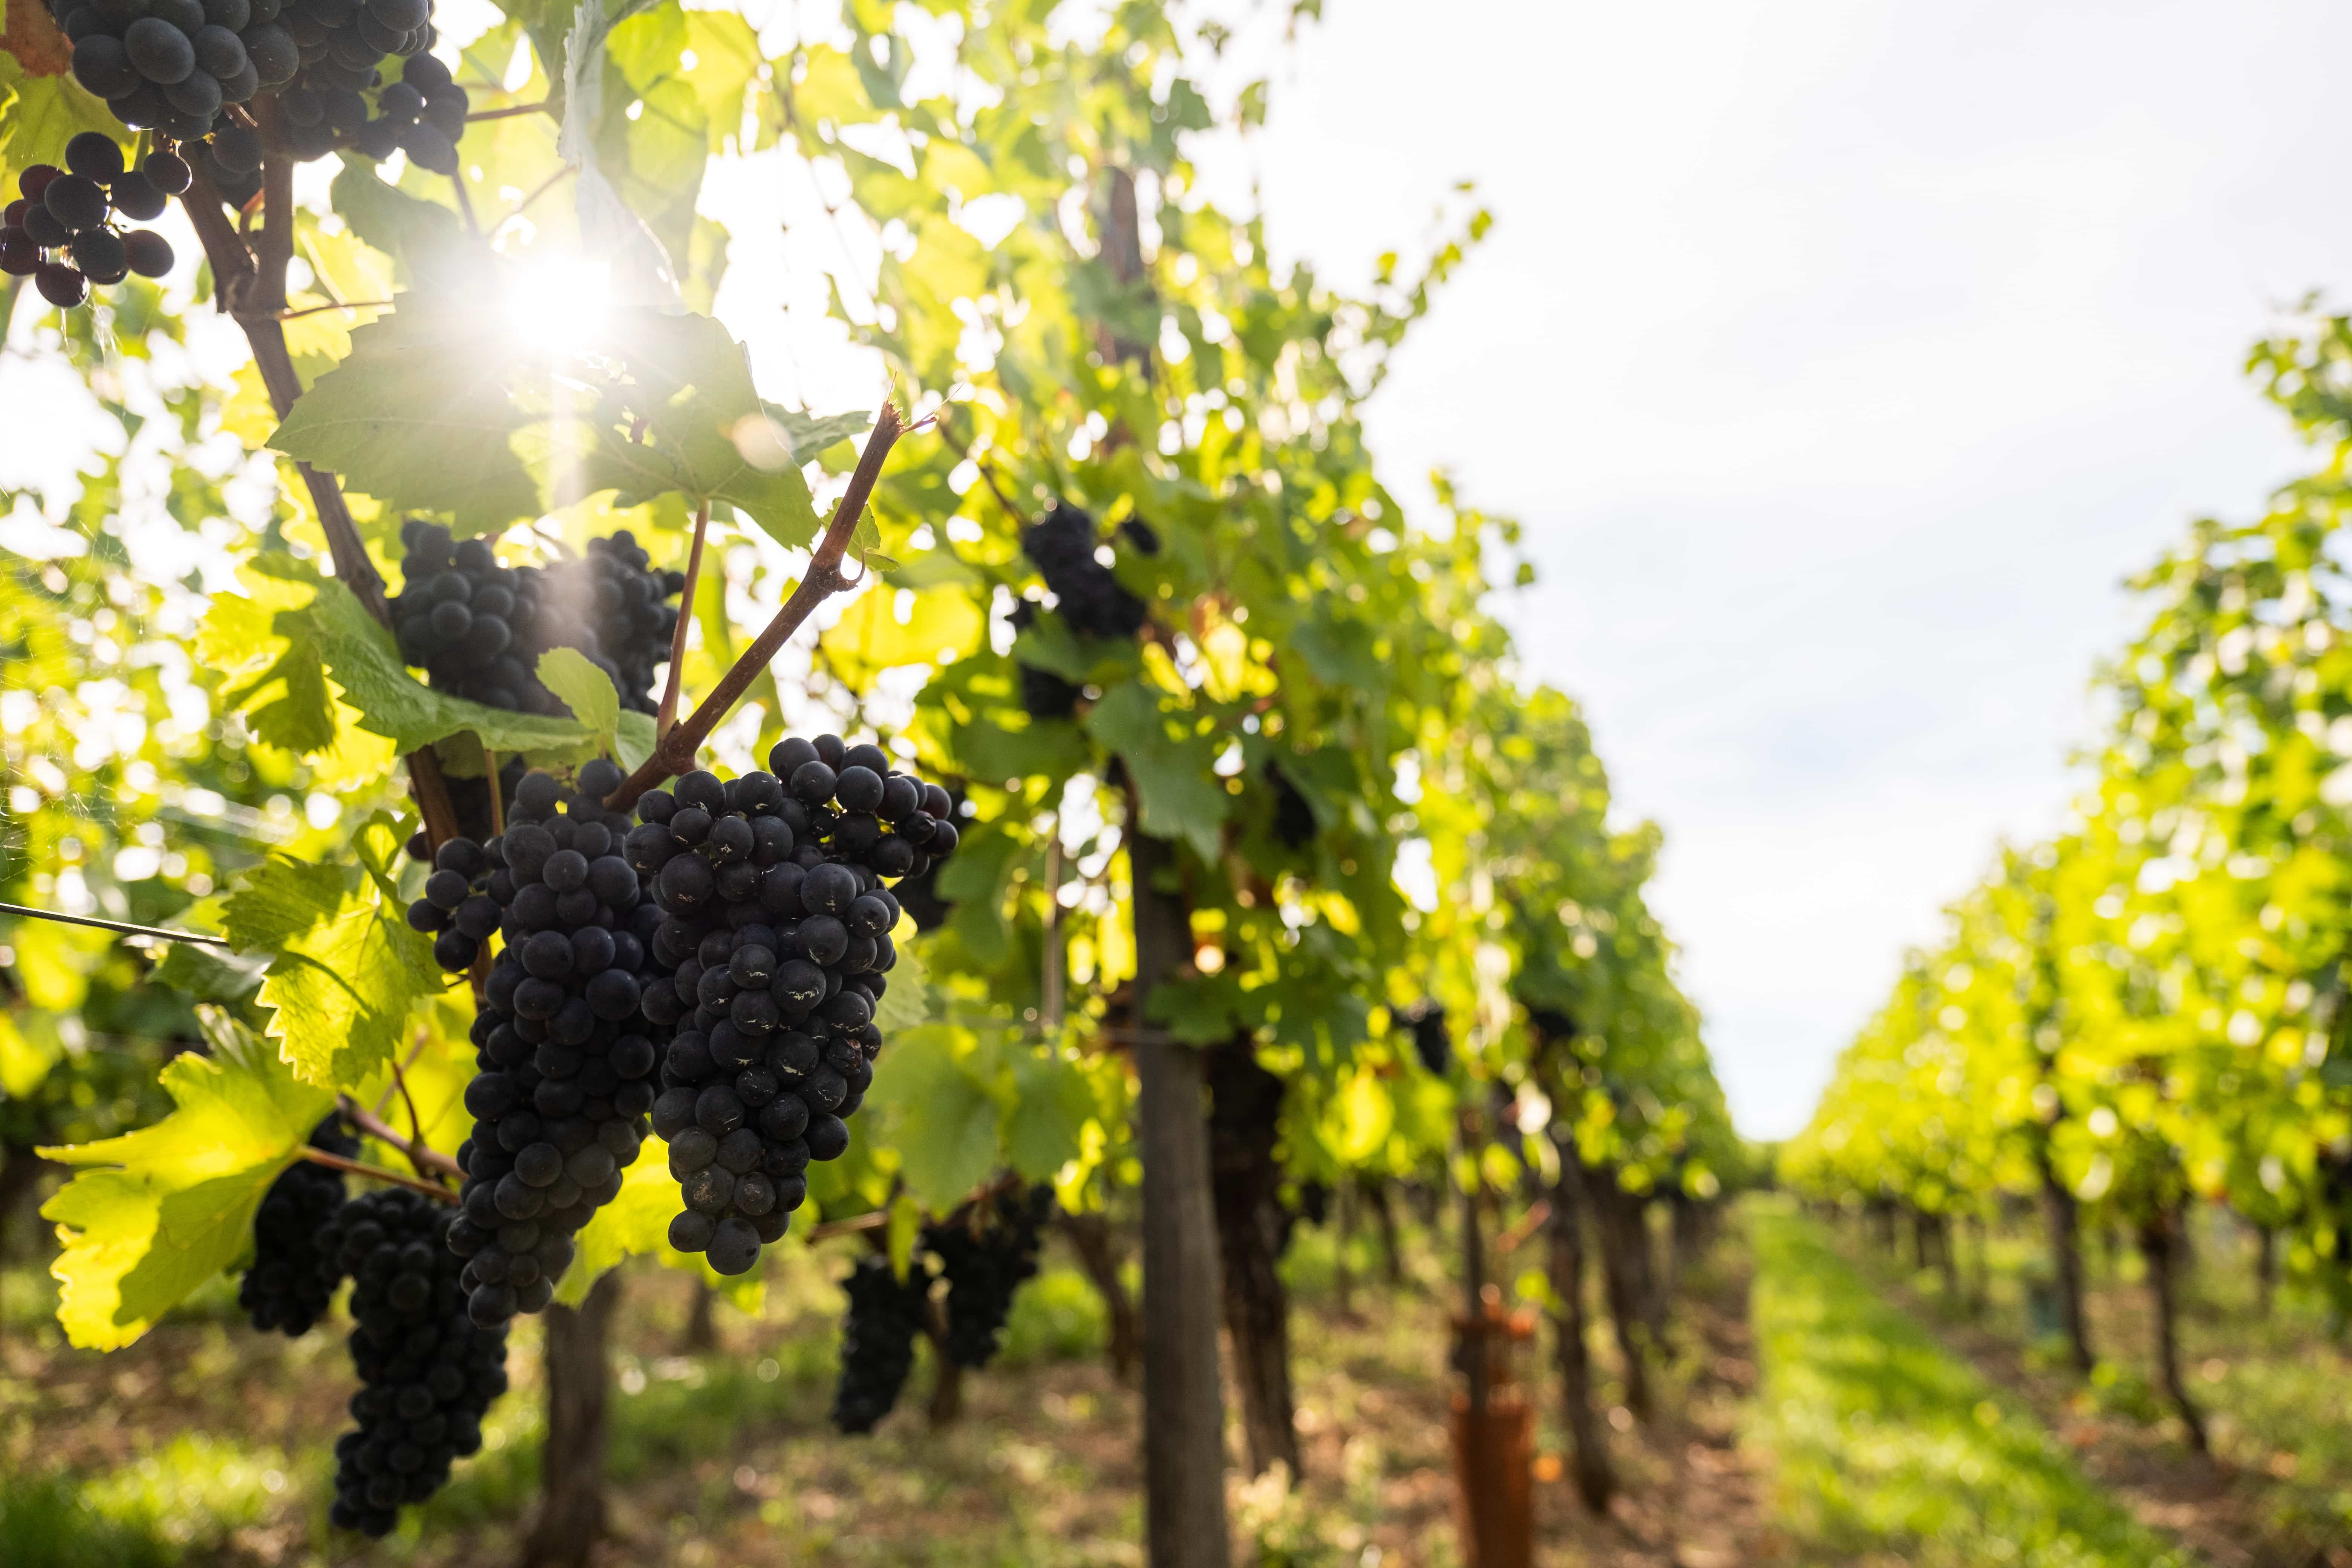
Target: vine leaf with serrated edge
444 410
155 1213
345 967
1181 797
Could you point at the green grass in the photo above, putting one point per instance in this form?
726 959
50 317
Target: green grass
181 1503
1884 1441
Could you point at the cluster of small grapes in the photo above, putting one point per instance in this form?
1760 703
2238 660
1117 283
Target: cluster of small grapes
292 1276
72 210
427 1374
1294 818
173 66
776 928
478 628
1088 596
878 1341
422 114
985 1257
1432 1041
565 1070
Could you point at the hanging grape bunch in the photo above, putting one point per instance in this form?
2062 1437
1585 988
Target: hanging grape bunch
427 1374
1294 818
478 628
878 1341
776 927
1088 594
292 1276
985 1257
174 66
1043 694
1432 1041
566 1066
421 113
65 231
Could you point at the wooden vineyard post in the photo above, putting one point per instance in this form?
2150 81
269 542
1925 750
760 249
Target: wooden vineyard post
1184 1396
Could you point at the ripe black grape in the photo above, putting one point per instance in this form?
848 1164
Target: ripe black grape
293 1275
985 1257
427 1374
878 1341
774 946
565 1062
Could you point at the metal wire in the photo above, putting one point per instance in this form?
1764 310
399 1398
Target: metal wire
120 927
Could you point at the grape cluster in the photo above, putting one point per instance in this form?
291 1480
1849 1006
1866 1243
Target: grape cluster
478 628
985 1257
1432 1041
878 1341
1294 818
427 1374
173 66
775 926
343 42
292 1276
565 1065
61 230
1062 544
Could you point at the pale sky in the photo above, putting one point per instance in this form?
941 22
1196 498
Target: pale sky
1841 359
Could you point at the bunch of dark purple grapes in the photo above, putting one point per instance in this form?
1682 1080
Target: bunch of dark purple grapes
293 1276
173 66
427 1374
478 628
61 231
566 1065
1432 1042
1087 592
775 926
878 1341
422 114
985 1257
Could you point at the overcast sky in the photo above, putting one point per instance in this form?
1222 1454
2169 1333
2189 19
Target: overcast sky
1841 359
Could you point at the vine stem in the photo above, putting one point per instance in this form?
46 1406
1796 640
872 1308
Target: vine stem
668 713
381 1173
249 285
674 753
420 1154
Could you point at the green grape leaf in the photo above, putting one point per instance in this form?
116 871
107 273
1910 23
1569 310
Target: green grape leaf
419 235
691 385
1051 1104
634 740
1181 797
807 437
31 1046
587 690
1197 1011
420 416
365 662
156 1212
44 113
909 1003
904 1230
943 1117
345 968
206 973
259 640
